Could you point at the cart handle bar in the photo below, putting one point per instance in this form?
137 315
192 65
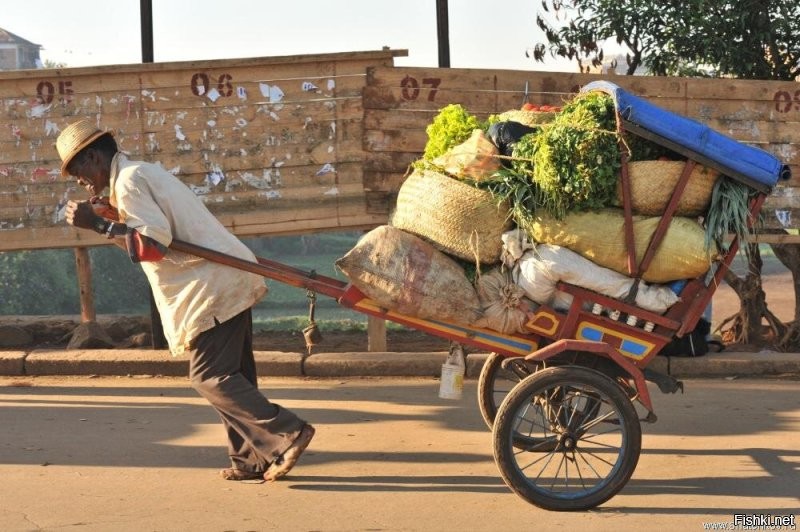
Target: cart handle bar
270 269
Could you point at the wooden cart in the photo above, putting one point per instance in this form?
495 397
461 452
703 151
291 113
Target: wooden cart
561 399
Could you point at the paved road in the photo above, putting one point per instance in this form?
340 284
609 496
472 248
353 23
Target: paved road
141 454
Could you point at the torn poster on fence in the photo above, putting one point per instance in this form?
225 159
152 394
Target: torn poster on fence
273 92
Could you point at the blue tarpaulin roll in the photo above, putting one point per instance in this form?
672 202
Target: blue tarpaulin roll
755 163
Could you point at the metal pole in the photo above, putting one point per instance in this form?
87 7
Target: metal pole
158 340
146 12
443 33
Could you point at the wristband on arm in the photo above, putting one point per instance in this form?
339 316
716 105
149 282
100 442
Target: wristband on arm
115 229
101 225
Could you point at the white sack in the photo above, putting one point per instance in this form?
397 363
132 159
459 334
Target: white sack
540 269
515 243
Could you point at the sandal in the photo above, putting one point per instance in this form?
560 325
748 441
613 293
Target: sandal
232 473
280 467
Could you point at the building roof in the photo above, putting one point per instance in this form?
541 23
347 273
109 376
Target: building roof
6 37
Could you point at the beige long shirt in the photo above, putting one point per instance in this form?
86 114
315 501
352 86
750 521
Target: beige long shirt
189 292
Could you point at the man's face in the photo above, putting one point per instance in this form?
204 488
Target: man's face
86 169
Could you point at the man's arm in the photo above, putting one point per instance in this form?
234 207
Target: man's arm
140 248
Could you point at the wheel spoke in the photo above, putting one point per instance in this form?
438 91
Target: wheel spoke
574 410
578 468
549 456
592 422
594 455
532 443
555 477
591 439
590 466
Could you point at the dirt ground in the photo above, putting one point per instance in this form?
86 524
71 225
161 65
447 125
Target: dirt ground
53 332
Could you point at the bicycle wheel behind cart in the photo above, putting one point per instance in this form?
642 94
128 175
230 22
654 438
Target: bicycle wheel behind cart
499 375
585 438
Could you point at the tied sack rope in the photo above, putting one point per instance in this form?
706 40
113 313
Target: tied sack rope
510 295
474 246
502 301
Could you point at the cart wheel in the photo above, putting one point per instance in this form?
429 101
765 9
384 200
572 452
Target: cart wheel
589 428
494 383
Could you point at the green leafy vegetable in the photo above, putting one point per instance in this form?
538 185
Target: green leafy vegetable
576 161
452 126
516 190
641 149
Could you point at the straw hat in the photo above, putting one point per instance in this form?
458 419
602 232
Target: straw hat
74 138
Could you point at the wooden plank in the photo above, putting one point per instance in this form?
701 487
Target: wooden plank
543 83
389 162
776 239
66 237
376 334
395 141
396 119
383 57
83 266
383 181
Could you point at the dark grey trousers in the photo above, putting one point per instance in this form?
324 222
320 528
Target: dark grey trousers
223 370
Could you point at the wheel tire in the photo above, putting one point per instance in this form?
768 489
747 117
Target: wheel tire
572 404
494 383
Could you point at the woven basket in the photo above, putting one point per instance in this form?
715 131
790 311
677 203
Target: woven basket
652 183
457 218
528 118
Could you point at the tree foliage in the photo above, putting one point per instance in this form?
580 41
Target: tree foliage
38 282
44 282
742 38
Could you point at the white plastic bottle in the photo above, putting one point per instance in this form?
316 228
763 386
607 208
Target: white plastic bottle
451 385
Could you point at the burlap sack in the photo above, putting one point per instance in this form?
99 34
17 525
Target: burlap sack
406 274
477 158
503 302
652 183
600 237
457 218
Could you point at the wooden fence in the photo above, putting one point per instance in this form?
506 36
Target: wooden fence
312 143
272 145
400 102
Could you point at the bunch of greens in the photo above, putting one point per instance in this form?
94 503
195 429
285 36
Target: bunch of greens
641 149
513 185
452 126
729 213
574 160
516 190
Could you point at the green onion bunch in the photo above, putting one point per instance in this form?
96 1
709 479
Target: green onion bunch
729 213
